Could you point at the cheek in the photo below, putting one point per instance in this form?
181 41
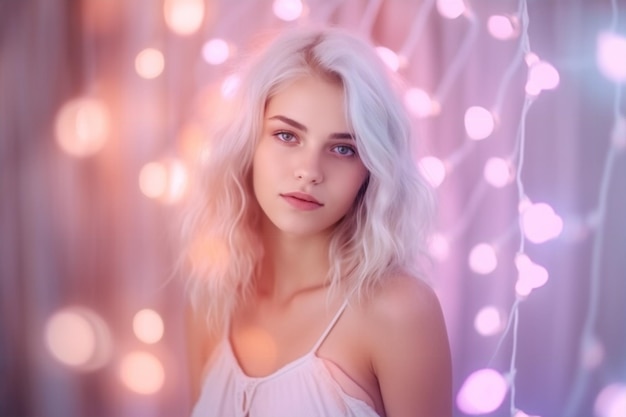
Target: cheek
264 167
353 181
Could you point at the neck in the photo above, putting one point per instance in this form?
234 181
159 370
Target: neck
292 264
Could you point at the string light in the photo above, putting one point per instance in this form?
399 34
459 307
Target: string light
479 122
149 63
215 51
183 17
611 50
482 392
433 169
148 326
419 103
498 172
142 372
503 27
450 9
540 223
79 338
488 321
611 402
541 76
389 57
165 180
483 259
288 10
82 126
439 247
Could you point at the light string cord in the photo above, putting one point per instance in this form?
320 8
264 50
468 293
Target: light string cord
369 16
457 64
480 190
524 47
417 28
581 380
582 374
518 153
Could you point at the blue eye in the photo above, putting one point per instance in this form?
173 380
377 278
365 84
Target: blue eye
345 150
285 137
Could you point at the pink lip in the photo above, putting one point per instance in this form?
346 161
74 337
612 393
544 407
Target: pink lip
302 201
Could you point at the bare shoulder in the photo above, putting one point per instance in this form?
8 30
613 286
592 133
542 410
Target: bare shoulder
404 299
409 348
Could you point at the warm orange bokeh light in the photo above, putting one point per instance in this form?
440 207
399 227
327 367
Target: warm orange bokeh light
149 63
82 126
153 179
79 338
142 373
184 17
148 326
166 181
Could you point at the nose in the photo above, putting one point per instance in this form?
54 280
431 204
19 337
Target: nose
309 167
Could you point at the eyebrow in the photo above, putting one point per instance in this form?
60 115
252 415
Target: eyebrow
303 128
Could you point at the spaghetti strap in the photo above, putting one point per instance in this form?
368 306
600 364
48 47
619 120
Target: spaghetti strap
330 326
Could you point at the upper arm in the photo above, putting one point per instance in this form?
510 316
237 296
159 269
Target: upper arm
411 352
198 349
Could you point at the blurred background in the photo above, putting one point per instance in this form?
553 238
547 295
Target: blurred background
520 120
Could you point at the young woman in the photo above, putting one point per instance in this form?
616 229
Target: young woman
304 242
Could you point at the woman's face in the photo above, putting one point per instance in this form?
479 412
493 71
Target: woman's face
306 171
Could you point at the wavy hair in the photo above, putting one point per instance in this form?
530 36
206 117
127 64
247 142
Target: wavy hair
386 230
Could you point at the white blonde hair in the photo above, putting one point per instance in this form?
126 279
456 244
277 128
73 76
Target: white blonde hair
386 230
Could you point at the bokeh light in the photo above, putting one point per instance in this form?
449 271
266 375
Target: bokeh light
479 122
148 326
79 338
142 372
488 321
153 179
439 247
165 180
183 17
287 10
389 57
498 172
530 275
82 126
215 51
482 392
610 56
502 27
450 9
419 103
611 402
540 223
483 259
149 63
541 76
433 169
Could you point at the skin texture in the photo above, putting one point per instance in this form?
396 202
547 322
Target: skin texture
306 146
393 344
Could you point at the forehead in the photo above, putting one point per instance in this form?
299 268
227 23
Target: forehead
310 99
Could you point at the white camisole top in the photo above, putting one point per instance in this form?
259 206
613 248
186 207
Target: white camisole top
305 387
